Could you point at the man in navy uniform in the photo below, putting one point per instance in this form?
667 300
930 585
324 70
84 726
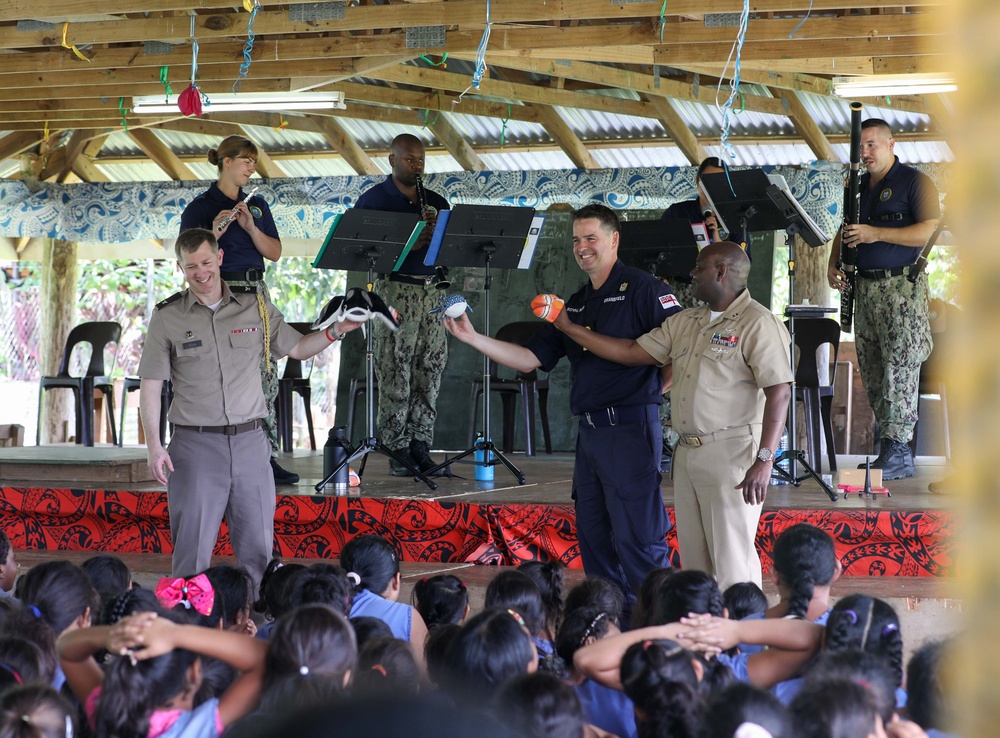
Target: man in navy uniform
620 518
899 211
409 361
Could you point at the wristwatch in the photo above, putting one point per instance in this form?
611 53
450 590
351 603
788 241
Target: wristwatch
765 454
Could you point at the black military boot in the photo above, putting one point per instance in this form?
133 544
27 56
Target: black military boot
420 452
282 476
399 470
894 460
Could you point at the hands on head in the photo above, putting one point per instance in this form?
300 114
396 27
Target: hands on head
141 636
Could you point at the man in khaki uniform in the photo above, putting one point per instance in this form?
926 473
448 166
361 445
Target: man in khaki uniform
731 388
209 340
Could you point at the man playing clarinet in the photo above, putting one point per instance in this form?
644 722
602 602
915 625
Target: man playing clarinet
410 361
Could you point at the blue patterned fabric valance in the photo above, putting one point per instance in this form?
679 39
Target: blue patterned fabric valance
303 208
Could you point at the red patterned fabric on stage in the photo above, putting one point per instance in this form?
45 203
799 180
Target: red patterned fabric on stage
869 542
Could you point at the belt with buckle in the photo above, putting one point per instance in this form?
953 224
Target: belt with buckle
610 416
694 441
878 274
424 280
226 430
248 275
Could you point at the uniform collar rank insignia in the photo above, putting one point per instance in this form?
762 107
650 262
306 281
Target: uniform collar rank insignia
189 334
623 286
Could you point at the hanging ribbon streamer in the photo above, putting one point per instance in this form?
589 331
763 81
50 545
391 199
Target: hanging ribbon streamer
71 47
427 111
253 6
663 19
480 70
734 85
124 111
282 126
503 128
802 22
433 63
167 89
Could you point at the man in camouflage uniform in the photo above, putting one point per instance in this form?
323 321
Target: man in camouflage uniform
899 211
410 361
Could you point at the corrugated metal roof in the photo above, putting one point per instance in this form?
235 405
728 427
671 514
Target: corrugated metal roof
832 115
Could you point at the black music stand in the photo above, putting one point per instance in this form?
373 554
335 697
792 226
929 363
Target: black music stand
487 236
370 240
762 202
664 248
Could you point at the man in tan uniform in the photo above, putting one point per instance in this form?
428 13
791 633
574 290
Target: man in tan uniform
731 387
209 340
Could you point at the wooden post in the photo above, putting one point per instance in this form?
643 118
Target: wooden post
59 297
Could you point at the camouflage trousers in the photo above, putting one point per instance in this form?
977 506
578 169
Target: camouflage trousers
268 371
409 363
893 335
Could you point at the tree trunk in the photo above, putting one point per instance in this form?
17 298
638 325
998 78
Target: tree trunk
59 297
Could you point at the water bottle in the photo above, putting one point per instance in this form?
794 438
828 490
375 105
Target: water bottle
334 455
784 463
484 471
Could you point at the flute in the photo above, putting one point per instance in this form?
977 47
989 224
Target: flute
232 216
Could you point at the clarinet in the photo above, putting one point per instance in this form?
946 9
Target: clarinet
852 214
429 214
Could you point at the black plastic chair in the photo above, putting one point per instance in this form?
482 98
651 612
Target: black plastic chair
525 385
816 398
932 380
98 334
294 381
166 397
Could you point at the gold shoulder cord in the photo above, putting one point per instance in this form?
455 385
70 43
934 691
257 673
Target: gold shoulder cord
266 319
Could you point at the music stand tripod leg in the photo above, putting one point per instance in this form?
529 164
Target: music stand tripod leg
371 443
484 444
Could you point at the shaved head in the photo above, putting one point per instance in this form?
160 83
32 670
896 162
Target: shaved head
735 258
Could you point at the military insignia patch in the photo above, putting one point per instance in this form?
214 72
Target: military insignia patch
623 286
255 211
885 194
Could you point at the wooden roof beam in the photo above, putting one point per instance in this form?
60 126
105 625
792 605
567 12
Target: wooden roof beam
161 155
17 143
436 79
680 55
457 146
806 126
343 142
415 14
683 136
645 84
266 166
567 139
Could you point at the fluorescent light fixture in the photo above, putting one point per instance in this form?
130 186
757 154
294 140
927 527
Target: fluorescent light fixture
877 85
224 102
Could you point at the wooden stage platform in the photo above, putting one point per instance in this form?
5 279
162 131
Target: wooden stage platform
67 497
70 502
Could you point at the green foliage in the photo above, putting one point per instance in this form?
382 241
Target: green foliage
127 290
299 290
